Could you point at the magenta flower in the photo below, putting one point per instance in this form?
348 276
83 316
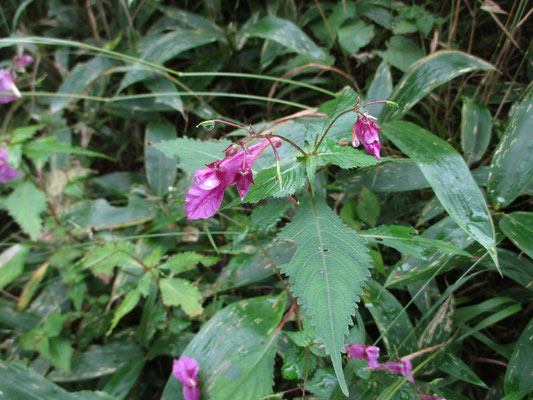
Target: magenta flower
427 397
7 172
366 131
186 370
401 367
366 352
7 85
205 195
22 62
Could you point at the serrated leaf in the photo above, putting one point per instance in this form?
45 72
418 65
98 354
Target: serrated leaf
326 273
401 52
450 179
266 217
181 292
285 33
240 339
405 240
345 157
193 154
428 73
12 263
475 130
101 259
128 304
160 170
182 262
518 227
518 374
297 362
355 35
511 169
25 204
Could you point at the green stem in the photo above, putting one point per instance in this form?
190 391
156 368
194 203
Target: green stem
329 127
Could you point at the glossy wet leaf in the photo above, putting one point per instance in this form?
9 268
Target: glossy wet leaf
235 350
518 375
21 382
326 273
391 319
518 227
450 179
475 130
285 33
511 169
160 170
457 368
428 73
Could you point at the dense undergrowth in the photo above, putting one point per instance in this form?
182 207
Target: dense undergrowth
117 256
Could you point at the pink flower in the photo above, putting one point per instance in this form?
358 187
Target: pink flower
205 195
7 173
366 131
366 352
186 370
22 62
401 367
427 397
7 85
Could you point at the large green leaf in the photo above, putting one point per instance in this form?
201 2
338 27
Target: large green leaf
193 154
21 382
25 204
450 179
81 77
518 376
345 157
518 227
428 73
380 89
235 350
475 130
326 273
285 33
457 368
511 168
160 170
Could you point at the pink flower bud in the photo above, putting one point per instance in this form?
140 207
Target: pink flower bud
366 131
7 172
7 85
23 62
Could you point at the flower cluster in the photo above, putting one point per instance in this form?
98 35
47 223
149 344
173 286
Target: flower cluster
205 195
365 130
371 354
7 172
186 370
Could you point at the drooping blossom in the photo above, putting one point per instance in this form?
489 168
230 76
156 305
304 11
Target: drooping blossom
427 397
7 172
7 85
366 352
205 195
366 131
186 370
401 367
22 62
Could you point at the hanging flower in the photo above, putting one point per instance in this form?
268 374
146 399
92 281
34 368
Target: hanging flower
400 367
186 371
7 172
366 131
205 195
7 85
21 62
366 352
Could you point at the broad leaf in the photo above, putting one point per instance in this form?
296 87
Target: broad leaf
25 204
401 52
511 169
12 263
345 157
427 74
518 227
193 154
182 262
285 33
450 179
380 89
457 368
518 375
160 170
181 292
475 130
240 339
326 273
